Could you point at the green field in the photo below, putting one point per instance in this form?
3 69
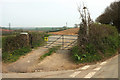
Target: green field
40 28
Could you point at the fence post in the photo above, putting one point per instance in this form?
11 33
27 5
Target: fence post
62 41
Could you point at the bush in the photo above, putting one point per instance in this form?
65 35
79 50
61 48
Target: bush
37 39
103 41
104 38
11 43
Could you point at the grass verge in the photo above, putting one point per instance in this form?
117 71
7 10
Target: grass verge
88 57
15 55
50 51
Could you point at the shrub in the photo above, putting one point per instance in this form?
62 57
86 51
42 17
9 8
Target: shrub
37 39
11 43
103 41
104 37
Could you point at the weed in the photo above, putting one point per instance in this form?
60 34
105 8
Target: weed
50 51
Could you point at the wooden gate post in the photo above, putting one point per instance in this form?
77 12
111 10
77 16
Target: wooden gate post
62 41
25 38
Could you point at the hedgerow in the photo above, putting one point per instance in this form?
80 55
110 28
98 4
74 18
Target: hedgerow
15 46
103 41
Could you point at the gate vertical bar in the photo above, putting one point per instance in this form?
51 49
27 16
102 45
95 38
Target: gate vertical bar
62 41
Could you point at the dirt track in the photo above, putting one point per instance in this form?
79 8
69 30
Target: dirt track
25 63
30 62
57 61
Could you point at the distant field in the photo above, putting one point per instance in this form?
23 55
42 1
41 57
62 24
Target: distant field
46 29
72 31
40 28
50 29
15 31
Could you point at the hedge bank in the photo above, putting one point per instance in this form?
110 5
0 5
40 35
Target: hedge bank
103 42
15 46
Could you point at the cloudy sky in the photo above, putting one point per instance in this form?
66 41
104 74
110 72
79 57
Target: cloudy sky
34 13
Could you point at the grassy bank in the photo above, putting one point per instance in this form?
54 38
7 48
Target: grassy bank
103 42
88 57
15 55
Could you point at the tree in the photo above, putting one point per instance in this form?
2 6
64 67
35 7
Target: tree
64 27
76 25
83 34
85 18
111 15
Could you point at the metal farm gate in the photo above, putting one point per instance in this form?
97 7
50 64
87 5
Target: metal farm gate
65 41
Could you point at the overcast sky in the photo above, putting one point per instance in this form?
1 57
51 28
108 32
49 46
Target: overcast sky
34 13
